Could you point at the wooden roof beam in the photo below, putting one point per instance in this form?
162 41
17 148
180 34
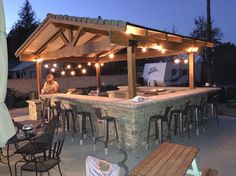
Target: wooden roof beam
64 38
76 37
140 55
149 42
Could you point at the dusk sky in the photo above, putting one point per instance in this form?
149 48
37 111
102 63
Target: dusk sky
159 14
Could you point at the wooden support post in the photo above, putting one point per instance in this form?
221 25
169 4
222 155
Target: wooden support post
191 71
39 76
98 78
131 65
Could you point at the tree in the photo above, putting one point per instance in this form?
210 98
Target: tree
204 30
225 63
20 31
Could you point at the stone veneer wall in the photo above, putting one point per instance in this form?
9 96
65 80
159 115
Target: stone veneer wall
30 85
132 122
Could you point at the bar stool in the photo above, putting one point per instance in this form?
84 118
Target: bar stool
47 109
212 106
180 117
67 113
198 110
83 115
158 120
106 120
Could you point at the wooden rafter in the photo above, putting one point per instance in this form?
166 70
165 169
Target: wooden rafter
65 40
78 34
70 35
93 38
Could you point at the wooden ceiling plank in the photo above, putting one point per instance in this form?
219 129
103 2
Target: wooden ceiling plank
50 40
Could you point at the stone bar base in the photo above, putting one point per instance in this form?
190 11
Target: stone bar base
131 117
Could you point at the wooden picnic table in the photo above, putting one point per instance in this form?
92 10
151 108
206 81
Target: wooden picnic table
168 159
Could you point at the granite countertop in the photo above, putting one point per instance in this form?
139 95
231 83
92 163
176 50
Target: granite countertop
129 103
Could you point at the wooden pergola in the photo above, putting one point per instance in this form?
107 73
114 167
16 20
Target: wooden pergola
82 40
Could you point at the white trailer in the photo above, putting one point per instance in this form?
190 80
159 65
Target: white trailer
169 74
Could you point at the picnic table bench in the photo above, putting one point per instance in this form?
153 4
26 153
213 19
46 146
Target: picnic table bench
168 159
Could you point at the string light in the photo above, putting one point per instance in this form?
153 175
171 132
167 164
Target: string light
111 56
163 51
96 65
68 66
158 47
79 66
185 61
89 63
72 73
84 71
102 64
177 61
192 49
54 65
46 66
63 72
53 69
144 49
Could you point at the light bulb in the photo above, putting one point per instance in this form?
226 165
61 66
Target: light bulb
84 71
111 56
46 66
177 61
72 73
53 69
63 72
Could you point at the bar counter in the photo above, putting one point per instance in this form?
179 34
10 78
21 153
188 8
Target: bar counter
132 117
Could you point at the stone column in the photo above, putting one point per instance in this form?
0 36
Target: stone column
35 107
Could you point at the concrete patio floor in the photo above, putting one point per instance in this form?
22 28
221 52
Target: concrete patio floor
217 150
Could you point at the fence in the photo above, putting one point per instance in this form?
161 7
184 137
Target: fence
24 86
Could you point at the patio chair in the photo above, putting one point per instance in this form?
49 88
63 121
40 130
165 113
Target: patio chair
5 153
47 160
39 144
99 167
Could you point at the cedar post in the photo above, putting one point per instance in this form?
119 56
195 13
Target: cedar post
131 64
98 78
39 76
191 71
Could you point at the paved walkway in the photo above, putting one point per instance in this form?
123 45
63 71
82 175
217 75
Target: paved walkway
217 150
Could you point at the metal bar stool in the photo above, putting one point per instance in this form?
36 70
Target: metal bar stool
106 120
212 105
158 120
48 109
181 117
79 112
197 109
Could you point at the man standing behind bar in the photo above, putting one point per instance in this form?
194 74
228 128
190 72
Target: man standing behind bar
50 86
